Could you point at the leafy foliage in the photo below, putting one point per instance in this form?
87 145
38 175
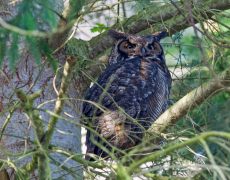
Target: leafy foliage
31 16
99 28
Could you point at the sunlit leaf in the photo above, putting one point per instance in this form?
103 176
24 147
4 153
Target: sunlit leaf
99 28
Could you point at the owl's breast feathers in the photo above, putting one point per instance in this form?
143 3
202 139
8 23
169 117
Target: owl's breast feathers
140 88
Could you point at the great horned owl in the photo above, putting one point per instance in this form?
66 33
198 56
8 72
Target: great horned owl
131 93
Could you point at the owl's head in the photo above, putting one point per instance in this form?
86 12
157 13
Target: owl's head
129 45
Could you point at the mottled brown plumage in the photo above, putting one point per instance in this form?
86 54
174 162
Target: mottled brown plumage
133 90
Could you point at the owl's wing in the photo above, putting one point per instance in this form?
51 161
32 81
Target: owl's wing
158 101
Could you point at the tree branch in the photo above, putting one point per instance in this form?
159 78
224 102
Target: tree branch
190 101
153 18
40 157
172 147
67 72
69 17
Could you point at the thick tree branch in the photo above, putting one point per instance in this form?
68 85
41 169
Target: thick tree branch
154 18
190 101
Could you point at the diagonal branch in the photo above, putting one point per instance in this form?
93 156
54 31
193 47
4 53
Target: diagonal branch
172 147
190 101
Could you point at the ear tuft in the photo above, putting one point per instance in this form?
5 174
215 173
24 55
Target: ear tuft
117 34
160 35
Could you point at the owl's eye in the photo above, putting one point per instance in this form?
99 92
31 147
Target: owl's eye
130 46
154 47
126 47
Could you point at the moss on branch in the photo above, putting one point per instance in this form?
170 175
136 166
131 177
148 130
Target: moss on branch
40 157
27 106
67 72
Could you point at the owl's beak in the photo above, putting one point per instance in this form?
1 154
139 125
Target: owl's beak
143 51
